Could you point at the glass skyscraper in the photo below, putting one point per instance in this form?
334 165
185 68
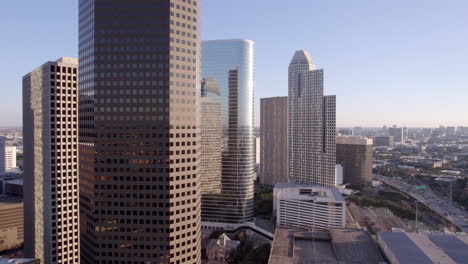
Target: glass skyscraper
227 90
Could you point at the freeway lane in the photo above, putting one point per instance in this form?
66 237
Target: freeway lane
451 213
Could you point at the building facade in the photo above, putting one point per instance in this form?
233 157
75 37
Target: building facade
355 155
309 207
398 134
139 131
50 134
274 138
7 156
384 141
228 79
311 125
11 223
211 136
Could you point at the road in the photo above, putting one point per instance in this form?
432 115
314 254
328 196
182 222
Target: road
451 213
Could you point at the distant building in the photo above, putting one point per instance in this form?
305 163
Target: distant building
11 224
311 124
450 131
298 246
398 134
310 207
220 248
274 138
345 132
384 141
401 248
7 156
50 121
355 155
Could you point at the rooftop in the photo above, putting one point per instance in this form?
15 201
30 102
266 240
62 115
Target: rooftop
307 192
424 248
337 246
351 140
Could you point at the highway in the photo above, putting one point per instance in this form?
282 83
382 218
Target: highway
451 213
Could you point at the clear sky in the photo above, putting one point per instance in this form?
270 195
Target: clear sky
388 61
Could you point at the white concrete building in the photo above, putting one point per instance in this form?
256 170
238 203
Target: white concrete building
311 125
7 156
310 207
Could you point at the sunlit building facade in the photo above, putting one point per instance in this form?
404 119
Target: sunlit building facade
228 79
139 131
311 125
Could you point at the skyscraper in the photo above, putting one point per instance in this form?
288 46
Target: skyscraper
228 79
311 124
7 156
355 155
139 131
274 138
398 134
50 105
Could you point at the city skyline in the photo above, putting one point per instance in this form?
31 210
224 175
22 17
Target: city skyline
359 49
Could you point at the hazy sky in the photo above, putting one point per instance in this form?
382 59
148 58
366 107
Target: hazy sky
389 62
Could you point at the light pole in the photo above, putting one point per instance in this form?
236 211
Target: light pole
417 229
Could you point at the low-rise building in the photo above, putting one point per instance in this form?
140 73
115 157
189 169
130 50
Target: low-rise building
11 223
308 207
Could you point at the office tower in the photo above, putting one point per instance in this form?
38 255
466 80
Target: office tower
228 78
311 124
398 134
273 133
211 146
139 131
384 141
7 156
50 105
355 155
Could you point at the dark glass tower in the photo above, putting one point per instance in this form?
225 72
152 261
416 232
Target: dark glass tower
139 134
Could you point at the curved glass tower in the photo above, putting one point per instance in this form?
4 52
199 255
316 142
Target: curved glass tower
227 131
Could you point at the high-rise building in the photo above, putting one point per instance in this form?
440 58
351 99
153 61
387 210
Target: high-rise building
274 138
355 155
139 131
228 79
50 130
311 125
398 134
7 156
